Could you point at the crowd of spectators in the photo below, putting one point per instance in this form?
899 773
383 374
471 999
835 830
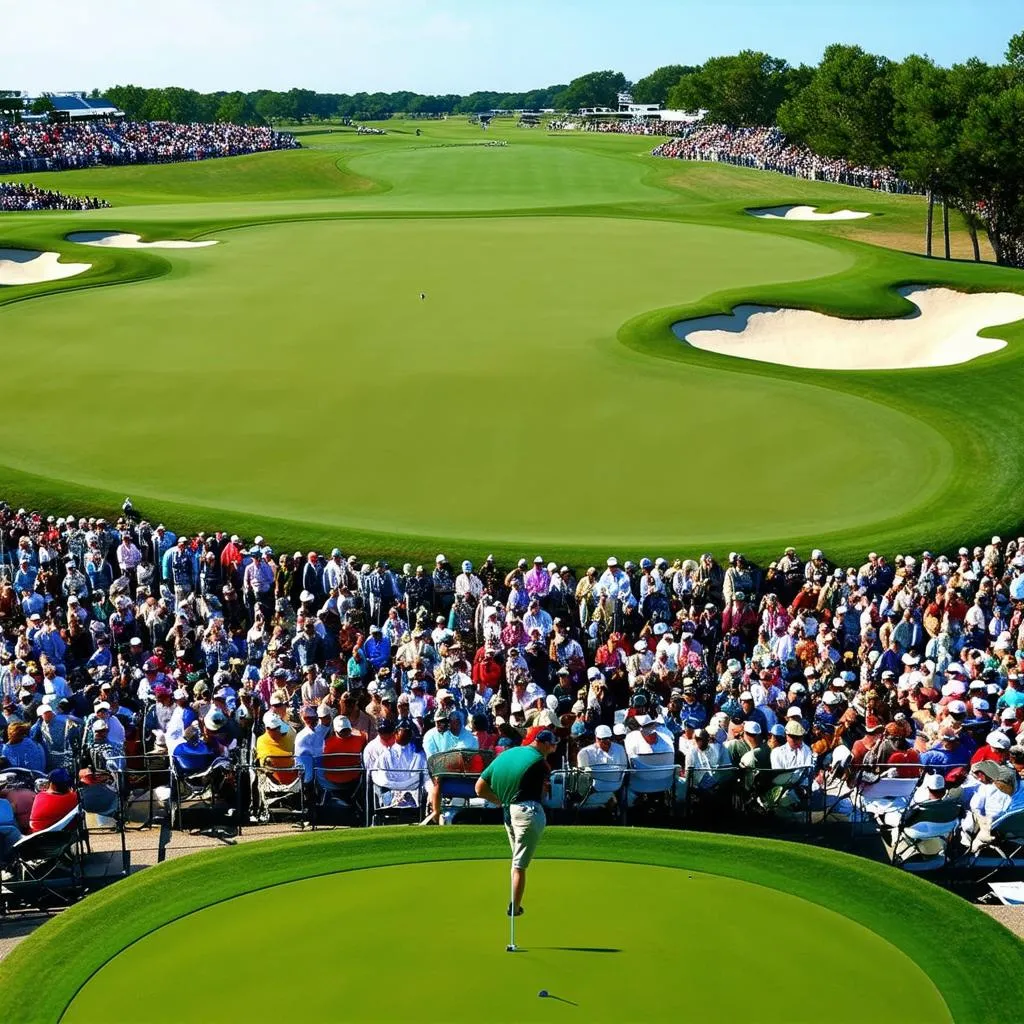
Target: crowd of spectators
637 126
16 196
30 146
123 637
767 149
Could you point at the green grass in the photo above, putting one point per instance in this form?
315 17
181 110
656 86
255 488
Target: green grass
589 956
289 382
844 899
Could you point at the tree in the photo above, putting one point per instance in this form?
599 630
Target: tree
744 89
129 98
655 87
846 109
992 164
235 108
596 89
43 105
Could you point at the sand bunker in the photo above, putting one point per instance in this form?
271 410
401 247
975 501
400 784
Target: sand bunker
944 332
121 240
805 213
28 266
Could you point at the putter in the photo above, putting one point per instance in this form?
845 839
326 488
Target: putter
511 947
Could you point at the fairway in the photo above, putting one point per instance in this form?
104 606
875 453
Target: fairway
592 931
511 358
539 371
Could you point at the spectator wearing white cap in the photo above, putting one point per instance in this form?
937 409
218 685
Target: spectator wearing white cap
400 773
706 761
309 741
998 792
646 746
794 753
606 762
277 741
615 582
468 584
995 748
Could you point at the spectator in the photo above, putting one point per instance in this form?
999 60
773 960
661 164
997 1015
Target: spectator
53 802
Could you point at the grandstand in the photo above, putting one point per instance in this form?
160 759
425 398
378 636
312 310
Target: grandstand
73 106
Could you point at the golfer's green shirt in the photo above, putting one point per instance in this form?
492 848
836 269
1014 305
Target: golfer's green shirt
510 775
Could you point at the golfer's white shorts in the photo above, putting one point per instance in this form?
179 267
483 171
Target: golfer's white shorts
524 824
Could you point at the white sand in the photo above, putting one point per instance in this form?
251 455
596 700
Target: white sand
943 333
805 213
120 240
28 266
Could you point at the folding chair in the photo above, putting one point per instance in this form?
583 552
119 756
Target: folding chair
391 801
456 772
280 789
338 778
144 781
1001 847
596 789
43 869
649 782
711 790
884 797
197 787
785 791
925 834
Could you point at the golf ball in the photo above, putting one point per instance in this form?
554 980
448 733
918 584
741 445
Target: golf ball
543 993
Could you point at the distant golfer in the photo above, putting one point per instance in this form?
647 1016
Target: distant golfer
516 780
423 295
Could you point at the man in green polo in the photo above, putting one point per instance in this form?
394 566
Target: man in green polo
516 780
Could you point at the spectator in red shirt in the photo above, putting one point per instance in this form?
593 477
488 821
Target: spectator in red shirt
995 748
895 748
53 802
865 748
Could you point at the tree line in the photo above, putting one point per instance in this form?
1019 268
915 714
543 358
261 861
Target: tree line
265 106
954 132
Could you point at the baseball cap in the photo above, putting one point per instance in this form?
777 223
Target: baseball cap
272 720
546 736
754 728
935 782
603 732
998 741
341 723
794 728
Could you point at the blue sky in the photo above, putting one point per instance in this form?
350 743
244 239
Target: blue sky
439 46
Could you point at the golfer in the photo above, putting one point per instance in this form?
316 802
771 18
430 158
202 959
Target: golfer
516 780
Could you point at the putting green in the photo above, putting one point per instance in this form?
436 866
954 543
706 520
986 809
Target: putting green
596 935
488 410
393 913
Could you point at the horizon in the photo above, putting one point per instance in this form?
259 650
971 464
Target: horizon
450 46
